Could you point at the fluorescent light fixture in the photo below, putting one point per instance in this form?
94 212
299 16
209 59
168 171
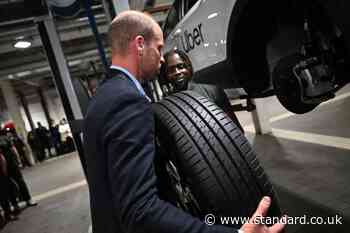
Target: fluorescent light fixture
212 15
40 70
22 44
74 63
83 19
24 73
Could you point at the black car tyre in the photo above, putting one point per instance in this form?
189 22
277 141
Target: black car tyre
213 158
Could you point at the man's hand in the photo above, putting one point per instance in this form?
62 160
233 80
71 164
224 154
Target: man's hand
261 211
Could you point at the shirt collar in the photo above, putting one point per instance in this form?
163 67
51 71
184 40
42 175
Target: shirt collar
133 79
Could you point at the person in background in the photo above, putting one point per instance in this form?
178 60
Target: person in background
56 139
18 143
177 72
44 138
35 146
5 193
70 146
14 172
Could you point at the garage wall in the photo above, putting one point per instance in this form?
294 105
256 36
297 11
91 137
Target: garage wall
54 105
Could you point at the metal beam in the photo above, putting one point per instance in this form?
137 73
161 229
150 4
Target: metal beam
26 110
44 106
31 29
62 79
22 58
14 12
120 6
106 6
78 33
42 66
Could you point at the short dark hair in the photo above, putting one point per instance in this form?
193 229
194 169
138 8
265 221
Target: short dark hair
127 26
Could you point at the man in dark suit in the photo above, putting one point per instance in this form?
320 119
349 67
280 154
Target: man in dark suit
119 142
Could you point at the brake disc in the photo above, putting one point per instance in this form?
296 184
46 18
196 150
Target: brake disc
288 87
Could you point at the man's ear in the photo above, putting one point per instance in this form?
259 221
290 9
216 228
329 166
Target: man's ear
140 41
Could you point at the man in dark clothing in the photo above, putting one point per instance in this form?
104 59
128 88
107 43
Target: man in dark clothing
119 142
14 172
43 135
20 147
5 197
70 147
56 139
177 71
35 146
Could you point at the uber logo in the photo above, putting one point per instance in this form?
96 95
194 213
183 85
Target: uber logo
191 39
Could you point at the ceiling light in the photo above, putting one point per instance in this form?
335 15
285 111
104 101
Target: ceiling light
213 15
22 44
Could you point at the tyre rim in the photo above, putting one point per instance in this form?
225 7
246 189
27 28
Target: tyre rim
185 198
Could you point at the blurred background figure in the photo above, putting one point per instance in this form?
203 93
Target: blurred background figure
35 146
9 215
20 147
43 135
69 144
14 173
56 139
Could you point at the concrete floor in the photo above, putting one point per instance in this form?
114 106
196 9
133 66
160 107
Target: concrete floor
60 189
310 178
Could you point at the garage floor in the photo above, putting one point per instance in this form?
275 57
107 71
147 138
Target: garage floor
310 179
307 157
59 187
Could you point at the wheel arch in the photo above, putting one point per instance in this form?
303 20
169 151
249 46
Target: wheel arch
250 27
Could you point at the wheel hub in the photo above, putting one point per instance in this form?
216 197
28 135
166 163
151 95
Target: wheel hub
186 199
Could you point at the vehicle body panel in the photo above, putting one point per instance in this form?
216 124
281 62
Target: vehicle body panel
237 43
203 31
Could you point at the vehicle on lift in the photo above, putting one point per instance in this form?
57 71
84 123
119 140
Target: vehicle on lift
297 50
294 49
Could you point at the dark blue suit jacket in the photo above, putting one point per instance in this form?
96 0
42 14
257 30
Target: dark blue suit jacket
119 143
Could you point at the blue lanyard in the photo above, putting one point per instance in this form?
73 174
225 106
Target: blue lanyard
133 79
